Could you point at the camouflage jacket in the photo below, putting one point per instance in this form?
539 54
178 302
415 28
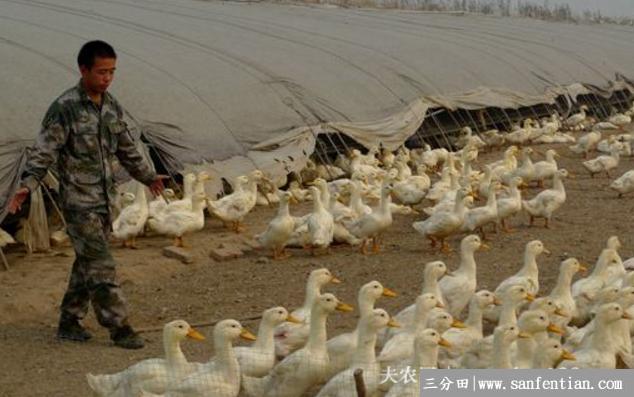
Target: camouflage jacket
83 142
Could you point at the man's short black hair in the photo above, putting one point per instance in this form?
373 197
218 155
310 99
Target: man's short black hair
92 50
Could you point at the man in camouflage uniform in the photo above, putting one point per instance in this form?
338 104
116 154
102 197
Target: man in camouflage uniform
82 135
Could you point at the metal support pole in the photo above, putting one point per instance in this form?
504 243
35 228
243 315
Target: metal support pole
442 132
494 123
343 141
332 142
600 107
625 107
169 173
508 118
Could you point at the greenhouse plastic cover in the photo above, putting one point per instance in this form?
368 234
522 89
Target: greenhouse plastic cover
247 84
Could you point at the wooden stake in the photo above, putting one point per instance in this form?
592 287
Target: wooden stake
358 381
4 260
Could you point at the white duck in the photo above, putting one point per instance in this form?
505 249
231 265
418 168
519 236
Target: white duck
131 220
356 202
192 184
258 359
298 193
511 297
425 355
547 201
586 143
621 334
320 224
305 367
443 224
493 138
503 338
441 321
458 288
620 120
607 145
624 184
522 136
485 182
341 347
577 118
433 272
546 169
493 351
616 273
232 208
154 374
511 205
398 347
585 290
222 379
5 239
461 338
159 204
561 294
448 182
550 354
528 275
372 226
364 357
413 190
506 165
360 165
603 163
536 325
601 350
431 158
290 336
189 181
525 170
178 222
279 229
478 218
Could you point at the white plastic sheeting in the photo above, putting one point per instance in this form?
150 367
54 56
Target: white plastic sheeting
235 80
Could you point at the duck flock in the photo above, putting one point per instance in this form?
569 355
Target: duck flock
587 323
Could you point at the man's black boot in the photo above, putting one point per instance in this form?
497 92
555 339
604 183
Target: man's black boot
70 329
126 338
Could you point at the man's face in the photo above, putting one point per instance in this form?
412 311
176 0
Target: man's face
98 78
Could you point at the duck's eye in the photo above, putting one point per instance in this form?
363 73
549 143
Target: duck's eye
328 300
512 328
280 312
234 326
376 286
542 318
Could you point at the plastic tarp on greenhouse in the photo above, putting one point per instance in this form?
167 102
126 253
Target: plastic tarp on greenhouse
248 84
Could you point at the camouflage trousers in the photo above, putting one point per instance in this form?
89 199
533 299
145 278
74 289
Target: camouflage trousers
93 274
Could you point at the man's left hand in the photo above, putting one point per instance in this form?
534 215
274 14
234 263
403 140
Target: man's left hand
157 186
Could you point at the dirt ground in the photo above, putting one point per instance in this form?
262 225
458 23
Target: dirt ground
160 289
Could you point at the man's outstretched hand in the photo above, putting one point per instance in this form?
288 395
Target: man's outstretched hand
157 186
18 199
